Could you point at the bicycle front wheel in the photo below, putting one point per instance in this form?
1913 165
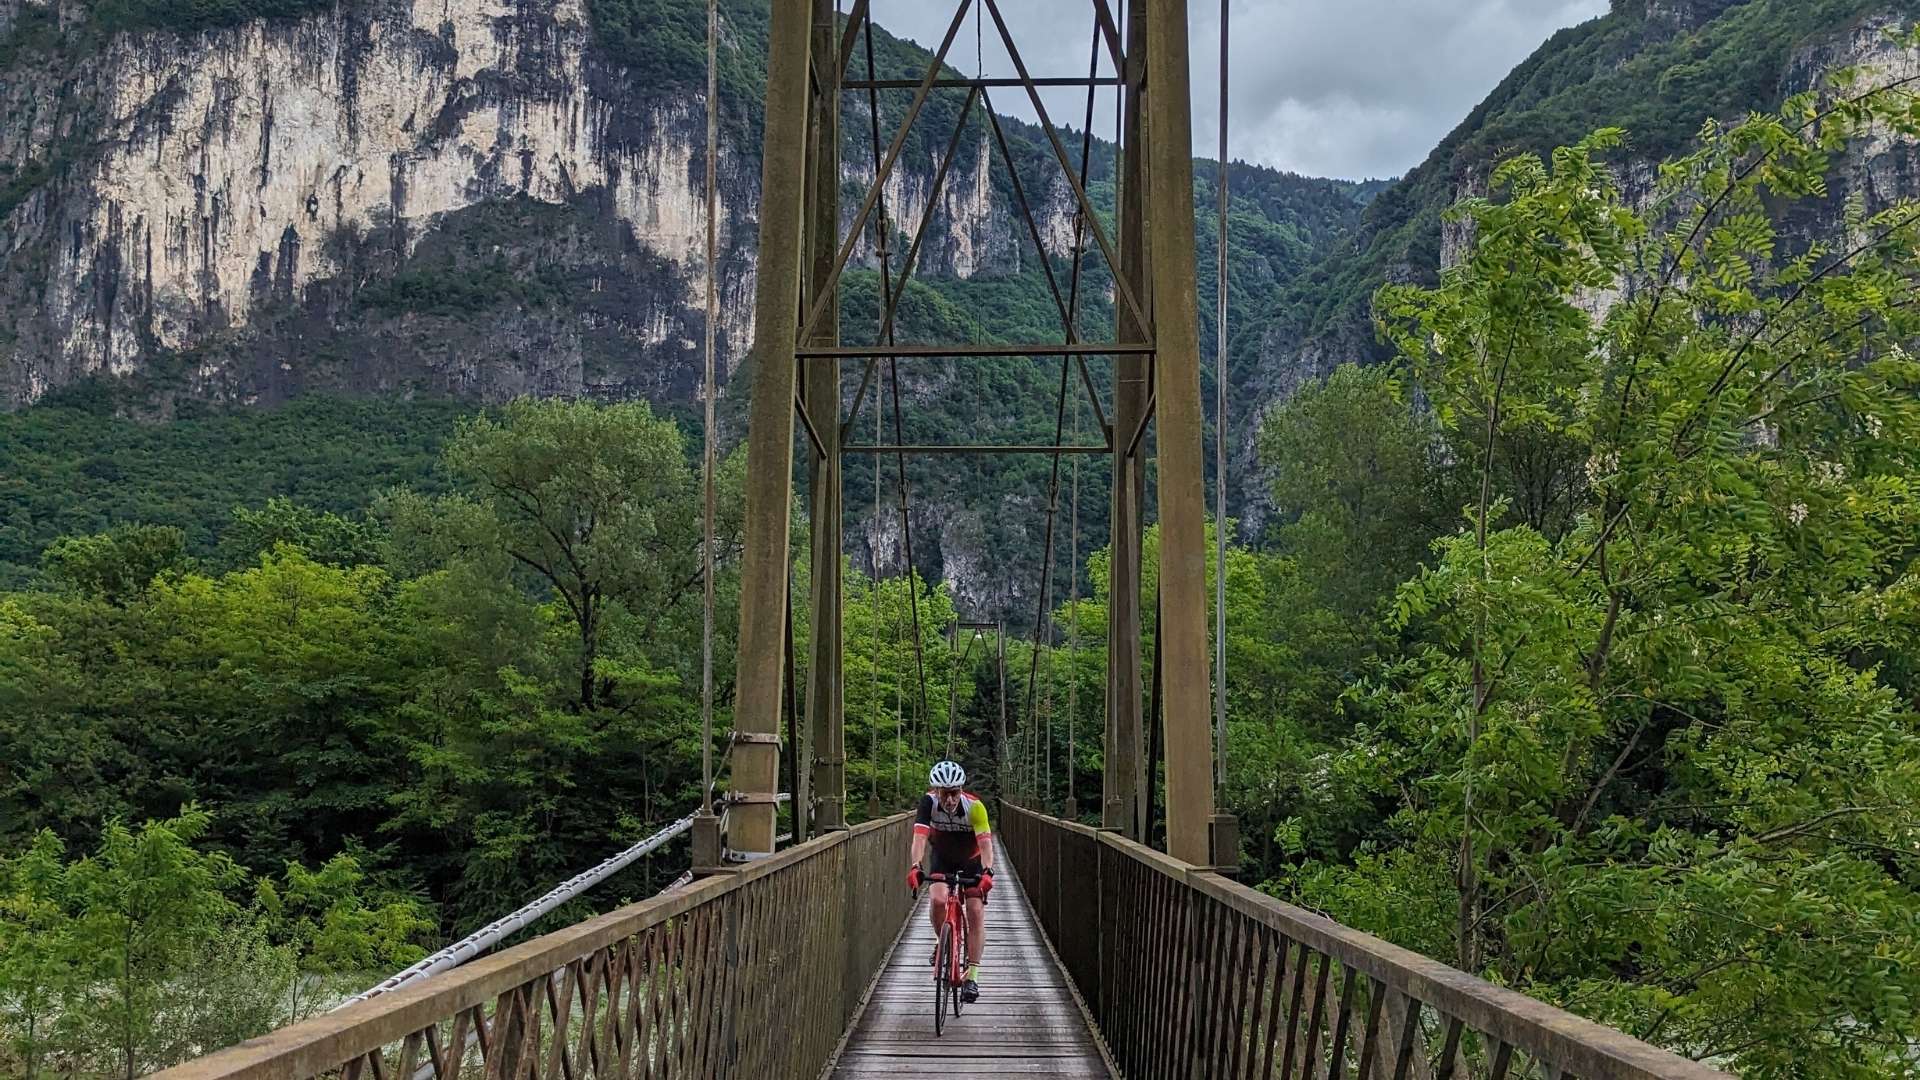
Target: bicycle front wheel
942 956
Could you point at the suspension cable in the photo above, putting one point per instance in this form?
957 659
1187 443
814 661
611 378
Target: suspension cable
1046 727
1073 615
953 680
1046 568
879 521
793 720
1059 426
953 684
899 738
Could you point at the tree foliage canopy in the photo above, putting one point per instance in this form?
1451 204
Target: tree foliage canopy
1663 738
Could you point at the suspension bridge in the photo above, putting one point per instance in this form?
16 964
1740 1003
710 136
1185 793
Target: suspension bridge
799 954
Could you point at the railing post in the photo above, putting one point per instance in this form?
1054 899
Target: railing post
851 885
1104 911
1223 844
706 843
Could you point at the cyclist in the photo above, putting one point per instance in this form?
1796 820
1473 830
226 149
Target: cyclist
953 821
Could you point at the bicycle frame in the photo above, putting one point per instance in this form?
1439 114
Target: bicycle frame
955 916
948 983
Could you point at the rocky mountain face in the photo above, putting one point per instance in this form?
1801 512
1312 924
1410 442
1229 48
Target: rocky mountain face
469 198
328 202
259 179
1657 68
244 201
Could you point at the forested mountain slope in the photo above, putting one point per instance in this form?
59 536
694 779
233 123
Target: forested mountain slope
244 201
1657 68
239 202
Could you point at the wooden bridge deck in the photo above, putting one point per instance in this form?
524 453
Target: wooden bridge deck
1026 1022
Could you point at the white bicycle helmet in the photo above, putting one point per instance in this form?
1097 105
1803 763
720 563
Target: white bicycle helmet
948 774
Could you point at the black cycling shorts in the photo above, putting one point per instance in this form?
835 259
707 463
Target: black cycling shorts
971 868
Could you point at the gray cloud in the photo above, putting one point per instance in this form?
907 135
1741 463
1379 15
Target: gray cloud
1351 88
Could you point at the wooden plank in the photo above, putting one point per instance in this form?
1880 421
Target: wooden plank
1025 1024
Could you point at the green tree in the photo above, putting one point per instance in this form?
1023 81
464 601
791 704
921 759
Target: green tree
139 957
149 900
1353 463
61 764
304 661
39 988
522 792
118 566
1290 658
233 986
323 536
891 739
336 924
1656 747
557 599
270 693
598 503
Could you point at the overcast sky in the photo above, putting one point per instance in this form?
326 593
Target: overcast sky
1347 88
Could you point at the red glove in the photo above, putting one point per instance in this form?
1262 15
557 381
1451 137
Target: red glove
986 883
913 880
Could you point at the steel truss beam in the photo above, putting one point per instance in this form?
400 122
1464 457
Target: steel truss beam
923 352
1126 793
820 791
885 171
1182 630
994 448
978 84
1154 360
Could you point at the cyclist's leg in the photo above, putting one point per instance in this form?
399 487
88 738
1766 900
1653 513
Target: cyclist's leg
976 921
937 909
937 905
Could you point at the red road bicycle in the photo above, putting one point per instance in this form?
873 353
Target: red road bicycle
950 953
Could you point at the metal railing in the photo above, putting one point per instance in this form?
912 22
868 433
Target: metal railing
1189 974
752 972
483 940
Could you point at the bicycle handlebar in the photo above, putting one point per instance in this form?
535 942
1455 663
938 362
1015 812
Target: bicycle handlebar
965 881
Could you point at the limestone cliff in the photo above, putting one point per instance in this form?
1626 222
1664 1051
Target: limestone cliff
227 198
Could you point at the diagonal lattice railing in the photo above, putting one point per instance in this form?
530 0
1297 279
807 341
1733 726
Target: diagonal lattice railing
753 972
1189 974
